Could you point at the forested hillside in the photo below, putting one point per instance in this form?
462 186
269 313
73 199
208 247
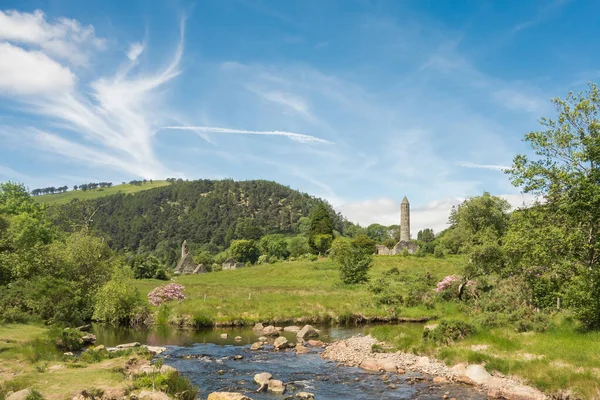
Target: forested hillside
206 213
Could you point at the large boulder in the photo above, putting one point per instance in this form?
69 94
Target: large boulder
307 332
270 331
20 395
227 396
150 395
281 343
477 374
276 386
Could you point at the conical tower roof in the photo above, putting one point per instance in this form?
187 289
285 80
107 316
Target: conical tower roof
404 200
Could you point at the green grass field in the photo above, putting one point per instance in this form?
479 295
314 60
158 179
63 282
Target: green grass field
61 198
287 291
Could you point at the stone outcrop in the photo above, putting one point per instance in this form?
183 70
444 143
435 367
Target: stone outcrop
20 395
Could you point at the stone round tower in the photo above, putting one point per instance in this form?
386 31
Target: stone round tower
405 220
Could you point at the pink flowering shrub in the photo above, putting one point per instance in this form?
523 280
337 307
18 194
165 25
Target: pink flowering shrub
162 294
446 283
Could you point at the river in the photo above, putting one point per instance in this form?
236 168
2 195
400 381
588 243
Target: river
209 361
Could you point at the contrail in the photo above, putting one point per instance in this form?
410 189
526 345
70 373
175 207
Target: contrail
298 137
483 166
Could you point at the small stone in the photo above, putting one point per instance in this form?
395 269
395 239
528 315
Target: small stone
370 365
262 378
99 348
237 338
262 339
238 357
270 331
224 336
221 372
292 328
445 396
256 346
307 332
281 343
305 395
440 380
315 343
68 354
276 386
301 349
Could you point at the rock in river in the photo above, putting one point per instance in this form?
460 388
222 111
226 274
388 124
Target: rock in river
307 332
281 343
270 331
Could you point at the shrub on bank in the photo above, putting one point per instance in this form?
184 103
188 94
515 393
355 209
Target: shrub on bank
449 331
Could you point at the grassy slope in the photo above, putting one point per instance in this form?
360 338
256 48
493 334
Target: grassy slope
561 358
61 198
290 290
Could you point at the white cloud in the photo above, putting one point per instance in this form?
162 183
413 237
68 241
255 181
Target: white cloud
521 100
64 38
135 49
7 173
298 137
31 72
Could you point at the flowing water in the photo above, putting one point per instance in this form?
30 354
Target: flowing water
209 361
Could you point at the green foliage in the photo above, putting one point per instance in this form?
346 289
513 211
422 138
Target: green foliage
354 262
204 257
321 229
119 301
449 331
566 173
274 246
68 339
321 243
366 244
171 382
43 298
426 235
297 246
203 212
244 251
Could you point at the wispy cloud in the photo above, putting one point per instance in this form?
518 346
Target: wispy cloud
10 174
483 166
549 9
298 137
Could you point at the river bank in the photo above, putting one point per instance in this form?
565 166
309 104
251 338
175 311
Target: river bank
358 352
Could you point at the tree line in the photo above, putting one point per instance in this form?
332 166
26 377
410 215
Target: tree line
49 190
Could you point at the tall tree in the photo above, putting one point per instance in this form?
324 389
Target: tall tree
566 174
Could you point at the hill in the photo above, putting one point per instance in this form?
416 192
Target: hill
206 213
63 198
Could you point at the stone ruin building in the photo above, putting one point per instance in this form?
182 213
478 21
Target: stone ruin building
186 264
231 264
405 243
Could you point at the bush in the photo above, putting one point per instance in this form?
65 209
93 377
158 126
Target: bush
583 297
439 251
449 331
353 262
119 301
244 251
172 383
49 299
162 294
161 274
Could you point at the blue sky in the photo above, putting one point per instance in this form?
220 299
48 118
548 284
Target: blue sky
359 102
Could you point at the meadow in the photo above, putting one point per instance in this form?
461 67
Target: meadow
299 290
63 198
